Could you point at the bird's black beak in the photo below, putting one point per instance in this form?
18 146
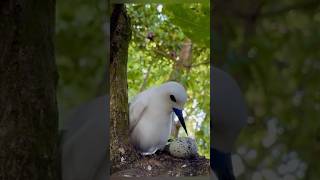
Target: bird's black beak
180 116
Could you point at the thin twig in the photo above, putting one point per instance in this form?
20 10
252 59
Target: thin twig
158 50
146 78
199 64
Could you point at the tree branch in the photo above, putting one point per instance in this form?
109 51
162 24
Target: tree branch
202 63
163 54
157 50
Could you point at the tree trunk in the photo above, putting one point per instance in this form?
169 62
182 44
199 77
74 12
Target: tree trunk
121 152
28 79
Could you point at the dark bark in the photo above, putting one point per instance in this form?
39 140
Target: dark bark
28 79
120 147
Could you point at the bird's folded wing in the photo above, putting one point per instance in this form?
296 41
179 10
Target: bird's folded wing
136 109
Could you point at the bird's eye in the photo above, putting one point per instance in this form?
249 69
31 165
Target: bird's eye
173 98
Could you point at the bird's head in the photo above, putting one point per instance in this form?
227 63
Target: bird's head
175 95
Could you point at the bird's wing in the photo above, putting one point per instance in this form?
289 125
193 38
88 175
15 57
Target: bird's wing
136 109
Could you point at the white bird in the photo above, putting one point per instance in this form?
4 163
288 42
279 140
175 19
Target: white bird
151 116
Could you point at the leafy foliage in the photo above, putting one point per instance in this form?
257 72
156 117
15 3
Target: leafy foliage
193 19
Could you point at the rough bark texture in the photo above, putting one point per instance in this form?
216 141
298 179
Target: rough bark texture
28 79
121 153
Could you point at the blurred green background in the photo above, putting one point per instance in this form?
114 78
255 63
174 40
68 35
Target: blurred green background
80 52
272 49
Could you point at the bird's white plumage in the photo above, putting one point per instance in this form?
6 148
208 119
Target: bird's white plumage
150 116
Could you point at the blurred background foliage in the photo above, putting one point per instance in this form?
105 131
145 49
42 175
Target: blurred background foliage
272 49
172 42
80 52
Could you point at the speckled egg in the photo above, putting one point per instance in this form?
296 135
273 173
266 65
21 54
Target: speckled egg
183 147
